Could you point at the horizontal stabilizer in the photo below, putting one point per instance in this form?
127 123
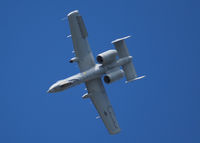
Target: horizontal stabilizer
122 50
129 71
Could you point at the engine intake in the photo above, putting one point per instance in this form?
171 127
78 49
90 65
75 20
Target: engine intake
107 57
113 76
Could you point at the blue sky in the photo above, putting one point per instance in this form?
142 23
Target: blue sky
34 53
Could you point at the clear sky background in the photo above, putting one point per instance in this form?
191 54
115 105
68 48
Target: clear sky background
34 53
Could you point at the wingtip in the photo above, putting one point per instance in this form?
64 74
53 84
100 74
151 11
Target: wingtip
115 131
73 12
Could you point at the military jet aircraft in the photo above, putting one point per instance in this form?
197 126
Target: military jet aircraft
91 73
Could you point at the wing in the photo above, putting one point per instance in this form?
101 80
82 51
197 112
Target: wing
102 104
79 35
86 61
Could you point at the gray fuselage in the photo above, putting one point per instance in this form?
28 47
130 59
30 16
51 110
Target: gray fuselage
97 71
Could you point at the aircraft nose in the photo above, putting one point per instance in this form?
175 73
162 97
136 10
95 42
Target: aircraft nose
51 89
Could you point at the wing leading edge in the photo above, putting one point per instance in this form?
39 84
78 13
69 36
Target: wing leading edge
81 46
102 104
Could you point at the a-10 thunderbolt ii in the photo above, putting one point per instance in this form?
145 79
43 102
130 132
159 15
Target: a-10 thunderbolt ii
91 73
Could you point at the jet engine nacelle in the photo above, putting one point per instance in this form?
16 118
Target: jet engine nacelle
107 57
113 76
